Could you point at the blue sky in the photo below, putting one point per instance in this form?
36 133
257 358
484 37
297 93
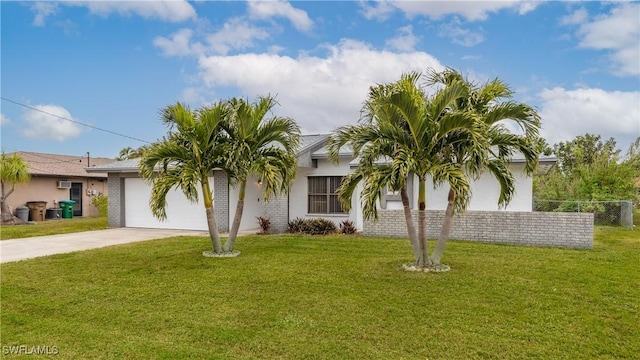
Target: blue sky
114 65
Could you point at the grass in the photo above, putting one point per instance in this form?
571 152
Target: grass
292 297
53 227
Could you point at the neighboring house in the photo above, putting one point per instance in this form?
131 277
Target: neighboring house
61 177
312 194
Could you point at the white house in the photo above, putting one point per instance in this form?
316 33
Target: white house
312 195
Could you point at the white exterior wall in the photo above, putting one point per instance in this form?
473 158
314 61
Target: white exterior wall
485 193
298 196
253 205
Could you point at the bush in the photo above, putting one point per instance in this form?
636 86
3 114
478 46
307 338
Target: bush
101 202
265 224
296 226
320 226
347 227
317 226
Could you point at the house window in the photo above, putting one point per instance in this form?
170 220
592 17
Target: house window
323 198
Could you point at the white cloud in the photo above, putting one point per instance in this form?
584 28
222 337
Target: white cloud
470 10
618 32
178 44
268 9
568 113
236 34
42 10
576 18
321 93
165 10
379 11
459 35
4 120
43 126
405 41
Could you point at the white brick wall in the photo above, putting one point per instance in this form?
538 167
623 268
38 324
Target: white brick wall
277 209
573 230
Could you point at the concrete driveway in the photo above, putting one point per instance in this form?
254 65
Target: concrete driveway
21 249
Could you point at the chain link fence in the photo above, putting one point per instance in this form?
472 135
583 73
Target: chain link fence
617 212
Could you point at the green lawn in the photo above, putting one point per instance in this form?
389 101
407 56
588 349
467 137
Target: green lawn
53 227
291 297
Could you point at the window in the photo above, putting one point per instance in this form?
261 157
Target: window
323 198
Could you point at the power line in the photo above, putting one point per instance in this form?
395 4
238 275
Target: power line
73 121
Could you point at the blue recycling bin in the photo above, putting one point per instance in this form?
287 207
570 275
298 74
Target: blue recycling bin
67 208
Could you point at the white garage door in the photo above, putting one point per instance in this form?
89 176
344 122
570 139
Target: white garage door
181 214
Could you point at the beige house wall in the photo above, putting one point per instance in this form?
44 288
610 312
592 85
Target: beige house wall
42 188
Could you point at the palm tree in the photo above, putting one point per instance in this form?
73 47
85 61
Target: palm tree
131 153
195 145
492 155
399 136
263 147
13 170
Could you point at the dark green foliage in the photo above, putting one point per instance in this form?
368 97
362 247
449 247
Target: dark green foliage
347 227
317 226
589 170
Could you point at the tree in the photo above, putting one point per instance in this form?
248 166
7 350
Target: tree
13 170
400 135
584 150
495 112
589 170
263 147
131 153
195 145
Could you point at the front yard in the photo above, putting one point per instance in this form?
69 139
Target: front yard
292 297
53 227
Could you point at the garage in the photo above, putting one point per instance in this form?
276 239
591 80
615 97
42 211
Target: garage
181 214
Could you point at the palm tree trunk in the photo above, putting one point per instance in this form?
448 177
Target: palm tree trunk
214 235
422 217
233 234
411 229
445 230
6 216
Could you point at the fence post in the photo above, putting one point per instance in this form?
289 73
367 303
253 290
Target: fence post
626 213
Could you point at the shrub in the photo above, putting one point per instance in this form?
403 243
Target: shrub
347 227
317 226
320 226
296 226
101 202
265 224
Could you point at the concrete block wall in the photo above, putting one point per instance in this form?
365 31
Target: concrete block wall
115 197
221 199
571 230
277 209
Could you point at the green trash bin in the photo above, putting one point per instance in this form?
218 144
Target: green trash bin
67 208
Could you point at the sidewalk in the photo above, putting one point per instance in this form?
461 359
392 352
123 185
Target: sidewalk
27 248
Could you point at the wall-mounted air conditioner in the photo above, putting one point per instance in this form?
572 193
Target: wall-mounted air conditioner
64 184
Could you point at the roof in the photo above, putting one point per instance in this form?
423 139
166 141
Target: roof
42 164
306 142
545 163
